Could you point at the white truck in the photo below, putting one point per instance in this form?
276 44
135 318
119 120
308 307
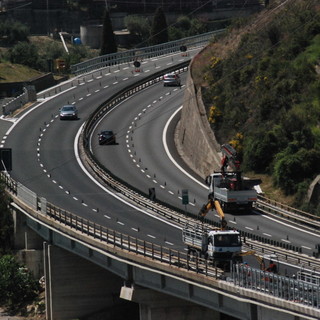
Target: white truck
232 191
220 246
229 187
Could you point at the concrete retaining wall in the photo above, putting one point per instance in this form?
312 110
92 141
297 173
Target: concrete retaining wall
194 138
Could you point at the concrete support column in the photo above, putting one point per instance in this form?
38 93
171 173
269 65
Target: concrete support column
76 287
28 245
24 237
157 306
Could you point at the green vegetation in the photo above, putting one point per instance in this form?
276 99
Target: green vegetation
17 284
18 47
108 39
268 91
159 31
6 223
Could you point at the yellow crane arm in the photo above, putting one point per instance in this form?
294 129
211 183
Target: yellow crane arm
206 207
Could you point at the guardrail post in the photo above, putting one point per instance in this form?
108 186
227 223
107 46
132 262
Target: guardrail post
152 251
197 264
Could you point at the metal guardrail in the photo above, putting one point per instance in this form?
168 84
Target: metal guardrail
298 291
108 236
287 212
285 250
143 53
290 289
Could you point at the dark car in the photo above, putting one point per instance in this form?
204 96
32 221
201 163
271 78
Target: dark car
107 137
68 111
171 79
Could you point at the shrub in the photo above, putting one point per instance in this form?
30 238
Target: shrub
17 284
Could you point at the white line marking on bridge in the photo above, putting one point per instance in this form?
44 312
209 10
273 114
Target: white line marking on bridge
116 71
97 90
161 186
125 68
249 228
267 234
84 204
90 80
54 181
171 192
107 216
105 87
74 198
135 229
107 74
284 240
121 223
231 221
124 79
169 243
151 236
155 181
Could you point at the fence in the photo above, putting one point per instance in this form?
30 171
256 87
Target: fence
144 53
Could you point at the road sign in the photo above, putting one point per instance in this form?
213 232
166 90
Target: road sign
185 196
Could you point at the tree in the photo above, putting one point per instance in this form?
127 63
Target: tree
108 44
24 53
17 284
12 31
6 223
159 29
138 25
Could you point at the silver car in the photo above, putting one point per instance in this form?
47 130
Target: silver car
171 79
68 111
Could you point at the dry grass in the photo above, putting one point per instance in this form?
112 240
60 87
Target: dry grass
15 72
270 191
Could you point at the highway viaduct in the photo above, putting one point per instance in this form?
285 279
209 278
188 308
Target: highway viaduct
88 270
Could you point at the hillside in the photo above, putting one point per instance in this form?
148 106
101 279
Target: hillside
261 88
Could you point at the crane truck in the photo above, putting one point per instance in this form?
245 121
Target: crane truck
220 245
229 187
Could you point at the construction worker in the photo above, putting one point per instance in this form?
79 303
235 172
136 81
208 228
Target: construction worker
272 267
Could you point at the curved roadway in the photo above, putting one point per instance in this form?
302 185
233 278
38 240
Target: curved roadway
45 161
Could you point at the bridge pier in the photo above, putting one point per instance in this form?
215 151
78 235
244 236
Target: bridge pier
28 243
77 288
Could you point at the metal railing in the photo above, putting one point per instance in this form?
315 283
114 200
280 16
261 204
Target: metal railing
286 288
279 286
141 54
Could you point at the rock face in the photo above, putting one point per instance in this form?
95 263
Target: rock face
194 138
